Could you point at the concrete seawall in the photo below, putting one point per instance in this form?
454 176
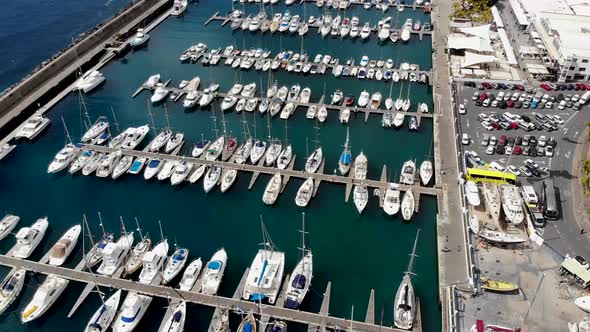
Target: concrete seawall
32 89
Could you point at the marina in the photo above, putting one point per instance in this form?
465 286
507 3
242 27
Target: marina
215 214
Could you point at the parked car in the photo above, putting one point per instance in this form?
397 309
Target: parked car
512 169
545 87
487 125
493 140
531 163
485 140
500 149
525 171
490 150
508 150
462 109
552 142
549 151
542 141
496 166
517 150
483 117
475 96
465 139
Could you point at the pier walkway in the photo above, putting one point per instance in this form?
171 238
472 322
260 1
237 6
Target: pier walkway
346 180
353 109
319 319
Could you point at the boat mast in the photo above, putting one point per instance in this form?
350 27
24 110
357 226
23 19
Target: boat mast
85 226
139 229
269 131
410 265
351 317
101 224
286 139
214 122
115 123
317 134
303 232
66 129
151 116
166 115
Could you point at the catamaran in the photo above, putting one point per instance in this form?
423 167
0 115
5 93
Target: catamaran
404 308
266 272
89 81
300 280
213 272
28 238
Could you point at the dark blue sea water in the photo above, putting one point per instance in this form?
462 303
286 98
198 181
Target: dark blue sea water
33 30
357 253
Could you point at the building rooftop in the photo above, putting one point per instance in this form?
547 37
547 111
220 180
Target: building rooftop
567 34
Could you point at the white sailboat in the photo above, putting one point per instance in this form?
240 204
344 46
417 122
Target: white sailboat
103 317
266 272
300 280
360 197
404 308
272 190
408 205
228 178
11 288
175 322
345 157
211 178
213 272
304 193
175 264
426 172
135 261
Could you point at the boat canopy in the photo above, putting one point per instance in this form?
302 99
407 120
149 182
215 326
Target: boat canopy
215 265
201 144
345 158
299 281
247 327
9 286
178 256
153 163
177 316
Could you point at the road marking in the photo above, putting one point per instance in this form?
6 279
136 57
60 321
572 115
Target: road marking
576 134
568 120
567 155
557 152
565 130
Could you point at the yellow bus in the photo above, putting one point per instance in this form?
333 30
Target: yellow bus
491 176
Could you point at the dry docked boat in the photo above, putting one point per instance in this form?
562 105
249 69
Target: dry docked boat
498 285
492 200
512 204
500 237
472 193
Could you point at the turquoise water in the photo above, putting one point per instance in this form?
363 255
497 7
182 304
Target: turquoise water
357 253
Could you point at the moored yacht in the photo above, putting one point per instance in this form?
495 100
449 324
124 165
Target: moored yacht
214 150
272 190
213 272
181 172
200 147
122 166
7 224
272 153
132 311
300 280
153 264
89 81
28 238
314 160
95 253
64 246
99 127
360 197
304 193
11 288
408 174
44 297
103 317
426 172
139 39
404 308
363 99
175 322
345 157
81 161
211 178
114 254
360 166
160 140
258 150
284 159
174 142
391 201
227 179
408 205
63 158
153 167
265 275
175 264
189 278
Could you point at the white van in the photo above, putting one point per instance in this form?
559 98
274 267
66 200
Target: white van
529 195
584 99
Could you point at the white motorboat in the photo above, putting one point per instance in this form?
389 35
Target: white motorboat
28 238
81 161
365 31
512 204
132 311
408 173
211 178
398 119
179 7
215 149
93 163
122 166
375 100
265 276
426 172
95 253
423 107
361 166
228 102
153 264
500 237
258 150
44 297
389 103
135 261
235 89
294 93
583 303
99 127
304 193
311 111
472 193
391 201
360 197
5 149
103 317
248 324
300 280
106 166
175 264
337 97
213 273
273 188
384 32
322 113
160 140
249 90
314 160
197 174
408 205
139 39
11 288
344 115
89 81
191 99
227 179
114 254
305 95
153 167
174 142
364 99
63 158
64 246
287 110
207 97
282 93
240 105
190 275
181 172
175 323
159 94
32 127
404 307
7 224
135 137
284 158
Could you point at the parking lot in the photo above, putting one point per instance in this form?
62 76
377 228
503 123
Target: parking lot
505 127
